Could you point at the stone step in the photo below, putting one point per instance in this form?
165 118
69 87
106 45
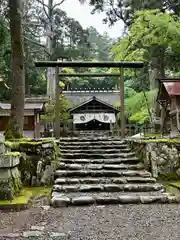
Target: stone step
91 139
88 146
132 160
101 173
75 166
90 180
146 187
95 151
96 155
92 143
81 199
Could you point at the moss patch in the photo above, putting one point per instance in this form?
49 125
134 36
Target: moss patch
169 177
25 195
170 188
162 140
11 133
152 135
25 143
40 191
175 184
23 198
14 154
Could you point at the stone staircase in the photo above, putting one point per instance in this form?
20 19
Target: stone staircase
103 171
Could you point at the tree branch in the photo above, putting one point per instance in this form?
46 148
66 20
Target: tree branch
44 7
42 2
38 44
57 4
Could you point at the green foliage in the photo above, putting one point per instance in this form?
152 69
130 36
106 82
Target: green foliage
153 34
50 111
136 107
100 44
124 10
71 41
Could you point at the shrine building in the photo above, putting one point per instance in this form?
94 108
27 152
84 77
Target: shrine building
93 114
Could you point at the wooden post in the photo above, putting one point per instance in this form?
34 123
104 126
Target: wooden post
123 123
57 106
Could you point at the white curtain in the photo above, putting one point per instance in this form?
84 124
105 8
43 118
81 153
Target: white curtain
87 117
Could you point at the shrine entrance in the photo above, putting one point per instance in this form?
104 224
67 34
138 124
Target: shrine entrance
93 125
93 114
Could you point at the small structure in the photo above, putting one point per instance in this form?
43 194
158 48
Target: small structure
32 112
169 100
94 114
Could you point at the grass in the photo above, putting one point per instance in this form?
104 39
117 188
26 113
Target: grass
26 194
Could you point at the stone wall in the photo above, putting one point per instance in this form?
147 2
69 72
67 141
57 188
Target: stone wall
38 161
161 158
10 177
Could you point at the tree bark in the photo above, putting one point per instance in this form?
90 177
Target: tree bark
16 121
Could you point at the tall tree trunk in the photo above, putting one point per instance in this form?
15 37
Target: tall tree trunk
157 71
16 122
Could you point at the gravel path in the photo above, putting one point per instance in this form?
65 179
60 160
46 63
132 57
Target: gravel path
122 222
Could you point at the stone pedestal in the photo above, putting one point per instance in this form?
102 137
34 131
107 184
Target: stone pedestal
10 178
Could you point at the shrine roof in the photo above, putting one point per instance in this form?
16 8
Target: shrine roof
27 106
90 100
172 86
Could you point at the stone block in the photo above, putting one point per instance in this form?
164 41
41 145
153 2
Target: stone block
113 187
107 200
32 234
60 201
5 173
129 199
10 183
83 200
69 188
9 160
58 236
90 188
15 173
73 181
38 228
2 148
48 145
60 181
75 166
154 199
11 236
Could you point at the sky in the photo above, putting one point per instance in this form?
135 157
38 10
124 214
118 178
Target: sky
82 13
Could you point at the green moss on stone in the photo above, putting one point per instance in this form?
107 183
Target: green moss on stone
26 194
162 140
10 134
14 154
152 135
23 198
175 184
170 188
28 143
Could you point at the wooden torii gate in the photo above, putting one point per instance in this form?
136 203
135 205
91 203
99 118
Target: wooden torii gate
86 64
